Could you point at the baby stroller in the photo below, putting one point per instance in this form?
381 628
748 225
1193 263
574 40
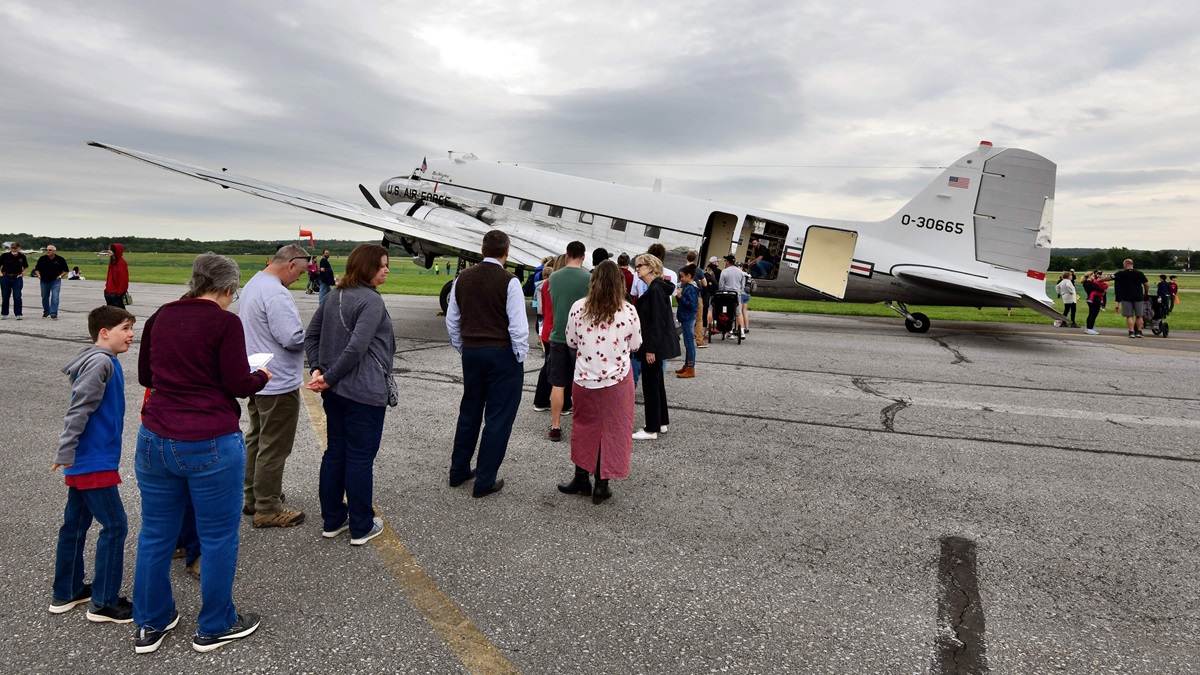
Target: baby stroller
1154 316
725 308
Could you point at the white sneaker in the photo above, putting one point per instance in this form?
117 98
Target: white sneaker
662 429
1089 331
376 530
643 435
538 408
330 534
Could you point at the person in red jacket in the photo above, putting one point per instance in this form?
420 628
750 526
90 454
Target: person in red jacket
117 283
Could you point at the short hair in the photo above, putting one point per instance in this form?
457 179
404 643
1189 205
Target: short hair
1163 277
1128 261
658 251
362 265
652 261
623 260
212 272
286 253
691 256
599 255
495 244
575 250
106 317
1172 276
689 270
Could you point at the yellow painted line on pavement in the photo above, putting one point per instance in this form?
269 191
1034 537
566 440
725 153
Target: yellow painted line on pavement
468 643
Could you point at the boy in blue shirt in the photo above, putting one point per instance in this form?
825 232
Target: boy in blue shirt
89 453
689 304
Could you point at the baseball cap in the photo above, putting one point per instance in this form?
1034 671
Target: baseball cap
714 259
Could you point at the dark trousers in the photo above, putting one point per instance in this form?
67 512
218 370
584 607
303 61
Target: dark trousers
655 391
115 299
541 394
103 505
11 286
492 379
1093 311
348 465
706 302
1069 311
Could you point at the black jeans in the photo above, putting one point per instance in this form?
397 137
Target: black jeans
655 391
1069 311
1093 311
115 299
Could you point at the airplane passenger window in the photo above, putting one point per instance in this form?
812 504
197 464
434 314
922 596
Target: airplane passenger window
585 218
653 231
619 224
525 205
498 200
556 212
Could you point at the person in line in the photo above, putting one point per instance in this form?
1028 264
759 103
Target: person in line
75 275
50 270
1066 291
488 327
272 325
89 454
712 272
13 264
314 276
744 301
1133 288
116 283
660 342
541 393
626 273
689 305
569 285
1163 295
350 347
1096 287
698 279
604 329
733 280
325 277
1173 281
762 262
190 448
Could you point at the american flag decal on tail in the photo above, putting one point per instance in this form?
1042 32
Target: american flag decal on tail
958 182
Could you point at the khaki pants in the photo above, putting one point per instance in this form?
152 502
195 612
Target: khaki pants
268 443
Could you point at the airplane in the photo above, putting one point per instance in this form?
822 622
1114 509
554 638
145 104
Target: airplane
978 236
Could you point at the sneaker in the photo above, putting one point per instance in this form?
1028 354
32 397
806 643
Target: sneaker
701 345
193 567
554 434
19 317
1131 335
54 316
61 606
643 435
662 429
281 518
566 411
330 534
147 640
540 408
122 612
245 625
248 510
376 530
1137 334
1089 331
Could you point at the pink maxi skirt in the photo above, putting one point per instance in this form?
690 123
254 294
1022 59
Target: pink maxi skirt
602 427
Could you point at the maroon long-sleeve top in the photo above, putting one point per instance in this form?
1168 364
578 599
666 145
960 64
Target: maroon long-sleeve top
193 356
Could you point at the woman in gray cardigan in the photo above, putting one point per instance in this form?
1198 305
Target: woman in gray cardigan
349 345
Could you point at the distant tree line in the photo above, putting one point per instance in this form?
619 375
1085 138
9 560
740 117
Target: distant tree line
1111 259
28 241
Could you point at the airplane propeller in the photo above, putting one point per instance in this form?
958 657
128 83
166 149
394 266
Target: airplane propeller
367 194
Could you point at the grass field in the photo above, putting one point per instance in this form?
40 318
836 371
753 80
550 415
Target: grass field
409 279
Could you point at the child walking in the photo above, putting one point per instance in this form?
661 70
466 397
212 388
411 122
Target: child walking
689 305
89 452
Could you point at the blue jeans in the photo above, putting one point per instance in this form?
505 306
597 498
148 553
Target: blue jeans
492 379
689 339
50 296
171 473
348 466
103 504
761 269
11 286
325 288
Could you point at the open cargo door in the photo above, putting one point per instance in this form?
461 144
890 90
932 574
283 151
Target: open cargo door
825 260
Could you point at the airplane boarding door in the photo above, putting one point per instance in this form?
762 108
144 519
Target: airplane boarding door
825 260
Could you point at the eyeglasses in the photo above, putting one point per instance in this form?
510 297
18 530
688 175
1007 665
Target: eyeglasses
640 265
305 258
236 295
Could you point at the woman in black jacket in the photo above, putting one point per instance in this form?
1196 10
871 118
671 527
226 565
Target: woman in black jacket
660 341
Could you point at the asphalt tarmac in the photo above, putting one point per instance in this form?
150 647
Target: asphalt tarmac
835 495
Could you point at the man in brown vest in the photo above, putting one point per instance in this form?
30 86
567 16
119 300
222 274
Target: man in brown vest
487 324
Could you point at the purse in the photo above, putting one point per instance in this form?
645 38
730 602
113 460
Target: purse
393 390
127 299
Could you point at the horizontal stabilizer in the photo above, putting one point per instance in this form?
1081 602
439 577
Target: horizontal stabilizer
957 280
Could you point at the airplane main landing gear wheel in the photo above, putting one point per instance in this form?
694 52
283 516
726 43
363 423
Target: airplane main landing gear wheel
444 296
919 323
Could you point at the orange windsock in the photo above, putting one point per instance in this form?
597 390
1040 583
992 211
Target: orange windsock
308 233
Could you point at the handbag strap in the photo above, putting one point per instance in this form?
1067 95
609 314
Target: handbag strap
342 318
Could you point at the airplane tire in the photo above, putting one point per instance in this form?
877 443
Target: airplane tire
918 324
444 296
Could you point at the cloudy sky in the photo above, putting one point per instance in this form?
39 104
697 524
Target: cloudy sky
819 108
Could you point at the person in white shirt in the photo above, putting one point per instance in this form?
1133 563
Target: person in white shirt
1066 290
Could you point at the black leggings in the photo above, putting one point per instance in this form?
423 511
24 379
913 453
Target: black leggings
1093 311
1069 310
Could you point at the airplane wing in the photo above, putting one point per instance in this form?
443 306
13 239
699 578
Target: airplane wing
527 247
978 285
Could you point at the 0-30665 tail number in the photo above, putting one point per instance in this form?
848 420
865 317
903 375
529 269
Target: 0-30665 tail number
931 224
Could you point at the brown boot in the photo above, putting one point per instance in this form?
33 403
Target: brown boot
680 369
688 371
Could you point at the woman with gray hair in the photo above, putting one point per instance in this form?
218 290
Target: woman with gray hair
190 450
